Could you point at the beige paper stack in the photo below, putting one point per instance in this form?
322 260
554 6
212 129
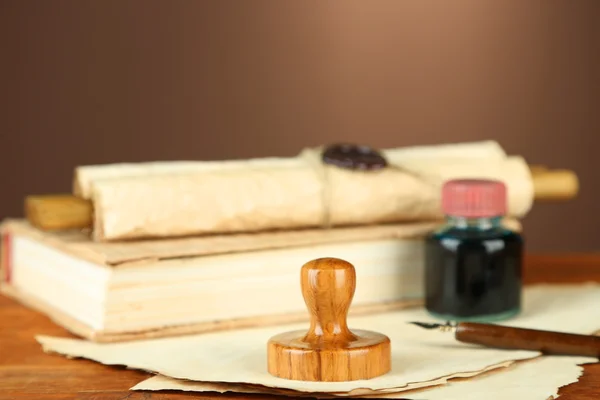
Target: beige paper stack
236 361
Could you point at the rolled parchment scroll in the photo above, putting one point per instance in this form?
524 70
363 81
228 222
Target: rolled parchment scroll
165 199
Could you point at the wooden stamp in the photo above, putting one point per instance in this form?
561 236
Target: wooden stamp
329 351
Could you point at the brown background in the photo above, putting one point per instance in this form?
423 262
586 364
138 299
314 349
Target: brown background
107 81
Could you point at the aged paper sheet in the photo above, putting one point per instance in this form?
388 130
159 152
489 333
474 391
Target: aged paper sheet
161 382
533 379
418 355
538 378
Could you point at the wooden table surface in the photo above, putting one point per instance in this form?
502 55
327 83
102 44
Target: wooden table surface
28 373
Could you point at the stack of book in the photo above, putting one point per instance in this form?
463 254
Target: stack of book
166 248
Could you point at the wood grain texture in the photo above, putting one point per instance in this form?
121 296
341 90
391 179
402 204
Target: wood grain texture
329 351
28 373
58 212
557 343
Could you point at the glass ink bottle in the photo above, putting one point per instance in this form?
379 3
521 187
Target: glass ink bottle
473 263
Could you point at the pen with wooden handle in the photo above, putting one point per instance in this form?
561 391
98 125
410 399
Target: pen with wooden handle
504 337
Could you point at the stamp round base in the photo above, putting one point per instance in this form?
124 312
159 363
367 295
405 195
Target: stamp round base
363 355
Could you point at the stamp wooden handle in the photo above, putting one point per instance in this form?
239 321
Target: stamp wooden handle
547 342
328 286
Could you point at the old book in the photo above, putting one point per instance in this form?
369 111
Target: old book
139 289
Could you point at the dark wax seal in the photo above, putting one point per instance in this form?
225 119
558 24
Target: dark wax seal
351 156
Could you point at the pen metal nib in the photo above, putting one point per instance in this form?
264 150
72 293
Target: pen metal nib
425 325
447 327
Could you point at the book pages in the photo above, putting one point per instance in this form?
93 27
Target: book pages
79 243
417 355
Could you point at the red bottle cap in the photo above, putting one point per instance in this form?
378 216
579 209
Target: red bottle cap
474 198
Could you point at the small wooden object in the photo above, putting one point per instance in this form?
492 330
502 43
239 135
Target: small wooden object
513 338
329 351
58 212
547 342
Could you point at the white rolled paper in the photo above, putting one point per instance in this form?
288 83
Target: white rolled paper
188 198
